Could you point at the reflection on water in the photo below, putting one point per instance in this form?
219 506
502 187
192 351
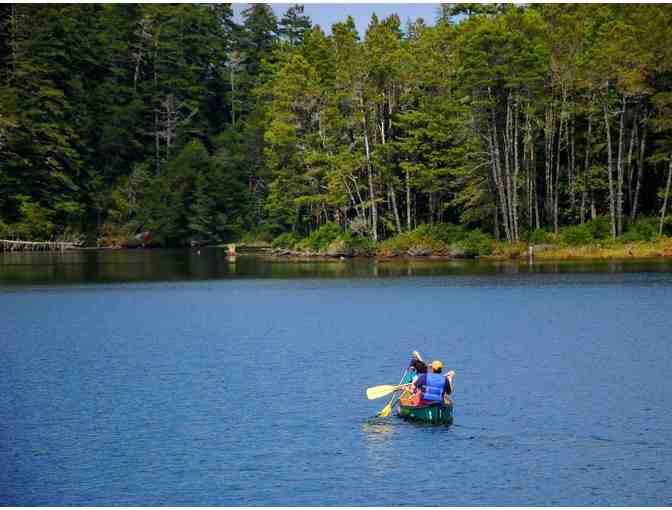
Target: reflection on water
378 430
381 437
103 266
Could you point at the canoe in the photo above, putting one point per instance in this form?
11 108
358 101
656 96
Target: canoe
436 414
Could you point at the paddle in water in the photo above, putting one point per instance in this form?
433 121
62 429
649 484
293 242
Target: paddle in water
387 410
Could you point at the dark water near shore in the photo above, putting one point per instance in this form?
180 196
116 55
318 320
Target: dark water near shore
110 266
171 378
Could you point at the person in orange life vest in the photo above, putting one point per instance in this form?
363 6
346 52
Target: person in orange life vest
433 385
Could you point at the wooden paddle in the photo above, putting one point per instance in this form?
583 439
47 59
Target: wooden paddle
384 389
387 410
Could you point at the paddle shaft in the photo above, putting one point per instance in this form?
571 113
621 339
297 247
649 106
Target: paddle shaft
385 411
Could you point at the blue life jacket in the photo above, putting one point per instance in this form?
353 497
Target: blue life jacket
433 389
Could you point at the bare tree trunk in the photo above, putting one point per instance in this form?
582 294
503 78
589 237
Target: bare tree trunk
556 186
393 199
528 187
508 163
354 202
572 167
620 173
630 174
535 198
587 186
527 158
663 210
516 170
549 132
497 177
157 146
610 166
640 169
144 34
360 198
408 200
537 217
369 168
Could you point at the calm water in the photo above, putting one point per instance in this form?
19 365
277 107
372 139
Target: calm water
170 378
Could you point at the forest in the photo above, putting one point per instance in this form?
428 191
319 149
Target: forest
492 121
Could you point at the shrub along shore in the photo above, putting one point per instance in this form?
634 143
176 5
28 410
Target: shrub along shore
591 239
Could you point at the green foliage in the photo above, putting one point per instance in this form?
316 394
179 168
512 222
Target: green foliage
293 25
643 229
328 238
175 119
576 235
537 236
440 239
588 233
357 244
599 228
287 240
321 238
478 243
417 239
445 232
667 226
69 213
255 237
36 222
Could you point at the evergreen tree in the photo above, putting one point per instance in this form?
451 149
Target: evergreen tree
120 118
293 25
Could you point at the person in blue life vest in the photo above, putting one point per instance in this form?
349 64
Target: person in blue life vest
433 386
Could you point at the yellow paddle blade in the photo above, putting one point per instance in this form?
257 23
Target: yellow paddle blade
380 391
387 410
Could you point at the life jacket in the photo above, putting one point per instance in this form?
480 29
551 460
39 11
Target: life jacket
433 389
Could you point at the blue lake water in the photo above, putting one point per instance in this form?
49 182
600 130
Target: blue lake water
166 379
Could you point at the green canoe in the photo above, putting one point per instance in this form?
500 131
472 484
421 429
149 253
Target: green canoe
435 414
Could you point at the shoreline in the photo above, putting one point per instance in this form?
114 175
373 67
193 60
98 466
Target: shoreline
521 252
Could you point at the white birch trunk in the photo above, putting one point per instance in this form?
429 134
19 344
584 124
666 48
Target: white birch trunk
610 165
663 210
640 170
369 168
393 200
408 200
587 187
516 170
619 170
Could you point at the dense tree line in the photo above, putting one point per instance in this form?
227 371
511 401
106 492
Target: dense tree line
116 119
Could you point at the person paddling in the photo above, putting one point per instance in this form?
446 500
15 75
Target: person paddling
415 368
431 387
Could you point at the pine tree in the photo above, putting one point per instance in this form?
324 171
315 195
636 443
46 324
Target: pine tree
293 25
